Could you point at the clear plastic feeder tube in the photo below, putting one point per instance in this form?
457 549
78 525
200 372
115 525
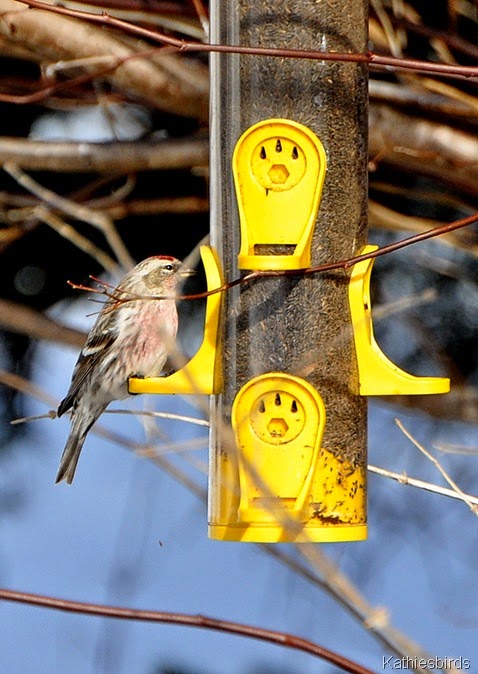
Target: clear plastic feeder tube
297 325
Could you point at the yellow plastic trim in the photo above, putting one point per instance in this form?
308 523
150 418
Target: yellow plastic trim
377 374
279 170
282 485
202 373
280 534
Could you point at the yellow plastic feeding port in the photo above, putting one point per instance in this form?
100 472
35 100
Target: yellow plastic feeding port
377 374
202 373
279 169
279 484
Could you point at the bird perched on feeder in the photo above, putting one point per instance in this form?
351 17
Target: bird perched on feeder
132 336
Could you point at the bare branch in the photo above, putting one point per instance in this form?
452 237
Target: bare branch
25 321
386 218
82 242
452 448
371 58
103 157
162 415
461 403
464 497
170 83
424 147
78 211
186 620
51 414
413 95
187 204
25 386
403 478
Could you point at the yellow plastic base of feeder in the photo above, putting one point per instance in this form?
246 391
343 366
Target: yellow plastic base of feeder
279 484
255 533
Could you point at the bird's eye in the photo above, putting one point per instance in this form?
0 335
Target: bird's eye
168 267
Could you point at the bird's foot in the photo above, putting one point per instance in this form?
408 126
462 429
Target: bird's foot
136 375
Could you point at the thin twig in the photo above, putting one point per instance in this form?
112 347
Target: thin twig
404 303
370 58
78 211
157 76
386 218
464 497
376 619
403 478
464 450
156 455
51 414
187 620
387 27
81 242
162 415
117 295
25 386
186 204
154 452
202 15
50 198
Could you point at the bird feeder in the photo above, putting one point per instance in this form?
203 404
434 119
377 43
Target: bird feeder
289 359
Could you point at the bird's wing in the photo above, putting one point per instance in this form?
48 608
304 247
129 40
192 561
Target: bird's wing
97 344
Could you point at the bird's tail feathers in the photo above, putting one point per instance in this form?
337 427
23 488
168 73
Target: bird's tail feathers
69 459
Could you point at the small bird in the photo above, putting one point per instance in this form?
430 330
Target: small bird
131 337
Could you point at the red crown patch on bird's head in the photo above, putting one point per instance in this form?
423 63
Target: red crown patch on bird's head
164 257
